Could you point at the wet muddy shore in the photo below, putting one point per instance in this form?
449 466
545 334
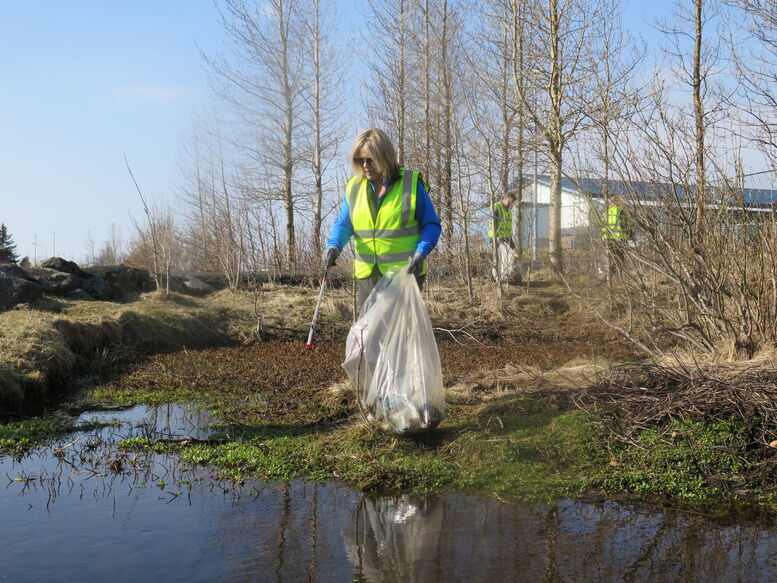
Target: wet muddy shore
84 508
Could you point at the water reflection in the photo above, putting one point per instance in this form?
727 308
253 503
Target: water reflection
81 510
166 421
396 540
460 538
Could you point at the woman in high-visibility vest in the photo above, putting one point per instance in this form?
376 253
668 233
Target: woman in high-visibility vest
387 211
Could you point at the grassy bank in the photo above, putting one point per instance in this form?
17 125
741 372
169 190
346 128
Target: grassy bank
46 345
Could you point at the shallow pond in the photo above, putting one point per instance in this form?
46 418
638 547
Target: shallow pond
88 513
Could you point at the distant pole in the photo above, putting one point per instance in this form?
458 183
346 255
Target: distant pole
535 238
535 222
54 243
35 244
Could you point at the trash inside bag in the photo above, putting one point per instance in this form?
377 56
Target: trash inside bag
392 360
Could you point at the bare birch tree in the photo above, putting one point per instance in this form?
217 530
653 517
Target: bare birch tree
158 242
214 209
324 98
386 86
113 250
265 83
563 34
687 31
498 114
616 97
756 67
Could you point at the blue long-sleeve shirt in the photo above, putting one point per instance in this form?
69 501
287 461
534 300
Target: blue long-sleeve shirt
342 230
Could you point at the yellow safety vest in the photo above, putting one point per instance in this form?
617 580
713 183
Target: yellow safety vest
613 229
504 221
386 235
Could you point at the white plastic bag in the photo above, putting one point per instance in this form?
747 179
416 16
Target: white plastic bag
509 267
392 360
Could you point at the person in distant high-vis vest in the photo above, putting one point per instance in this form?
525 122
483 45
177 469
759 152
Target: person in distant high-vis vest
503 219
616 230
388 212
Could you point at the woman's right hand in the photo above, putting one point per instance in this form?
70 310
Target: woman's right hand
330 256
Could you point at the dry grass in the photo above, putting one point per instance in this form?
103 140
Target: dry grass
28 342
48 341
43 344
536 325
636 397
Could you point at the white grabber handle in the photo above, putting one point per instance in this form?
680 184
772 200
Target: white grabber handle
309 343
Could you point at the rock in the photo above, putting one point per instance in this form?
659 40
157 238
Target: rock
79 294
122 280
59 264
14 271
16 290
176 284
196 287
53 281
215 280
95 287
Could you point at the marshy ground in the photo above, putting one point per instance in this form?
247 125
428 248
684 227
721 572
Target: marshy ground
532 391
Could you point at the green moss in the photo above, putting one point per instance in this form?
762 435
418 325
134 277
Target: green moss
519 459
532 451
536 454
686 460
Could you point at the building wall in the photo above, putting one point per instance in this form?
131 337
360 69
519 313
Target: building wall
578 218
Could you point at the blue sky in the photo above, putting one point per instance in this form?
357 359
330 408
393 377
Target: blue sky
86 82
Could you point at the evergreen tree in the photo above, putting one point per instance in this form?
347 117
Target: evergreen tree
7 246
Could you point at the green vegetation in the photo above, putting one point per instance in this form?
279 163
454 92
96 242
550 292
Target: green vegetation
19 436
539 455
516 460
7 246
532 448
687 460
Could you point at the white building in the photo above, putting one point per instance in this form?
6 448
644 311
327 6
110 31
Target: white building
578 212
582 206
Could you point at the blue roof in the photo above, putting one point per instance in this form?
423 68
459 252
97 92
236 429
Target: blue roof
650 190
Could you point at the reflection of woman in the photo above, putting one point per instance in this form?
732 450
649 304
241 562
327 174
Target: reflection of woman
395 540
388 212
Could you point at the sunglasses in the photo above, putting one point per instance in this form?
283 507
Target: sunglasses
363 161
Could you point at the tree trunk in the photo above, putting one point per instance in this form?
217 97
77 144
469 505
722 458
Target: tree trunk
555 141
699 118
317 163
447 135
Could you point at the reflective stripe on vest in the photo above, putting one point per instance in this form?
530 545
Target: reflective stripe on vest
612 230
504 222
386 235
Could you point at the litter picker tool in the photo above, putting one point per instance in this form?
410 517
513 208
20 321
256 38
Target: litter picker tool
309 343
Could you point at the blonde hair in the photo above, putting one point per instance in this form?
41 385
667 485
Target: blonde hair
380 148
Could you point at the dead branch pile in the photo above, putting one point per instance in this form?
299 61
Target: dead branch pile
634 397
